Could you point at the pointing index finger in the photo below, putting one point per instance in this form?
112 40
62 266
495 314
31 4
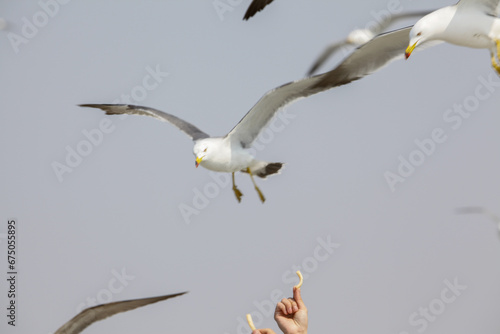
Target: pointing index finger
298 298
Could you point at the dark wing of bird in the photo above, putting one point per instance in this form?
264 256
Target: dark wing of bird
368 58
256 6
100 312
121 109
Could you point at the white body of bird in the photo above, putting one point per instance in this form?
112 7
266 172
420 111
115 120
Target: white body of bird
469 23
222 155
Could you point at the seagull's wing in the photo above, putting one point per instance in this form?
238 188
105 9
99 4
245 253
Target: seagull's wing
370 57
121 109
256 6
375 30
247 130
479 210
331 49
100 312
397 17
363 61
491 7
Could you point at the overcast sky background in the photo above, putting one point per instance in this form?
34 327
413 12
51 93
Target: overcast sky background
120 208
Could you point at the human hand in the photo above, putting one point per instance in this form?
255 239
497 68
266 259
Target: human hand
291 314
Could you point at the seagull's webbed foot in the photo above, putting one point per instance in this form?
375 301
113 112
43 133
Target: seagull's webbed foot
494 61
237 192
261 196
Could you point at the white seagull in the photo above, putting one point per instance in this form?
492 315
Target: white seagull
92 314
470 23
256 6
359 37
482 211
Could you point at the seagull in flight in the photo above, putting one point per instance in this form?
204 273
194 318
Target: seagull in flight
92 314
359 37
231 153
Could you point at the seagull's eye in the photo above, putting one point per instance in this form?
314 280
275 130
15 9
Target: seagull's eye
419 34
204 150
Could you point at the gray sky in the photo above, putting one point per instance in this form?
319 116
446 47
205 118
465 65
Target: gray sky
390 256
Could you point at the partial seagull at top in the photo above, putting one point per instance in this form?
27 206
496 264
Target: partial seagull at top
92 314
482 211
470 23
256 6
359 37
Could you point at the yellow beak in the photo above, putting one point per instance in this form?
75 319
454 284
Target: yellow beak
409 50
198 160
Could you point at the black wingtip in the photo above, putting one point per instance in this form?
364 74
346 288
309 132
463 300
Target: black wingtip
255 7
180 293
90 105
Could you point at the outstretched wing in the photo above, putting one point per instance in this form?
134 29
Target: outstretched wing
491 7
120 109
100 312
368 58
256 6
330 50
379 28
249 127
363 61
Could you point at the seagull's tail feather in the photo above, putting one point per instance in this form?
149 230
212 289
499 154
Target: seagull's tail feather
263 169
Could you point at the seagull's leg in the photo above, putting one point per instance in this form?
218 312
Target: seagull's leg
237 192
494 57
262 198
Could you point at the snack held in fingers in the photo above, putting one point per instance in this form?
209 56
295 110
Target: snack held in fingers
301 279
250 322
